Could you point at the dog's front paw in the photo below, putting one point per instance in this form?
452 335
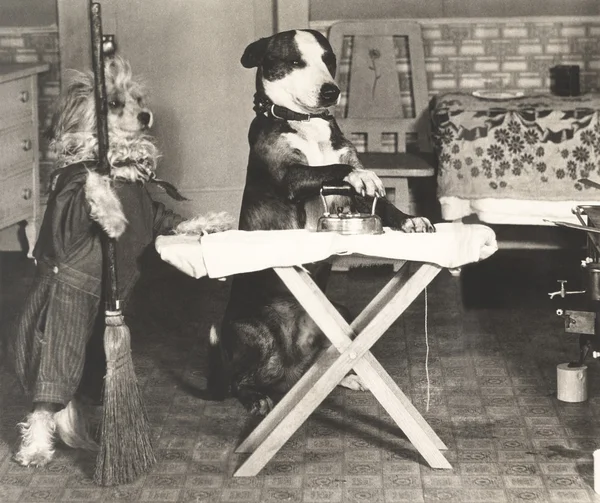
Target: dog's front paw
206 224
417 224
365 183
105 206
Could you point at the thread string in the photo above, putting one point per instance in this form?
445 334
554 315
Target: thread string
427 353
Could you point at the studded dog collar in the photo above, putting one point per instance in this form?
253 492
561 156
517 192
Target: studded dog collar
263 105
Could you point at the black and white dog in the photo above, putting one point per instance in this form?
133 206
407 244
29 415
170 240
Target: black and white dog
267 340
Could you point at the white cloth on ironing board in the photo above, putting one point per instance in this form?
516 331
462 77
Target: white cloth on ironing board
452 245
182 252
234 252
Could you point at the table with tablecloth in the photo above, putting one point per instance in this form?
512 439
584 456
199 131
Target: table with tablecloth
516 160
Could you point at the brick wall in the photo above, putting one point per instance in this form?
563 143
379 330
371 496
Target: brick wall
431 9
506 53
36 45
511 54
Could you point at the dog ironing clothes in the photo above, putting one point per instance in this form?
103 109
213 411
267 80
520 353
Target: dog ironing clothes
267 341
57 340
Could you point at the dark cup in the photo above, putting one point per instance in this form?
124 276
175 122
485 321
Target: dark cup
564 80
593 281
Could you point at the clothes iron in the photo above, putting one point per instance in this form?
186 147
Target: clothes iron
347 223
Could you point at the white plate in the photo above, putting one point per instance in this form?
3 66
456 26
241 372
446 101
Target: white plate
498 95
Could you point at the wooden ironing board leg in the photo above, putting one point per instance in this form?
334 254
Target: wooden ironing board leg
290 399
344 355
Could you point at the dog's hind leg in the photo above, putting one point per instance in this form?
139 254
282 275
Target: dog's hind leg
254 387
37 436
354 382
257 376
254 401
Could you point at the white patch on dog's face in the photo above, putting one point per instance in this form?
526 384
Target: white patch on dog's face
127 110
300 88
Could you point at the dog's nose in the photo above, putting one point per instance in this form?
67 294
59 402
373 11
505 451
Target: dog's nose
329 93
145 118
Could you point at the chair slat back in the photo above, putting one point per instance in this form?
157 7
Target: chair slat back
386 89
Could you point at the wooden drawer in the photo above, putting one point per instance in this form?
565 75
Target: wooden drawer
19 152
16 98
18 195
17 145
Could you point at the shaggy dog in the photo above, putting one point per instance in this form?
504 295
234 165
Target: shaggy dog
267 341
104 201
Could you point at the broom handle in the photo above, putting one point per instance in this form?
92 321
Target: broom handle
110 262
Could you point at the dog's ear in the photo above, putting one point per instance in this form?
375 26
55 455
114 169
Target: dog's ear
75 110
254 53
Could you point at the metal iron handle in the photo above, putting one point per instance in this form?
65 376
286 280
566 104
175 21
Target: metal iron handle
374 204
26 194
24 96
26 145
344 189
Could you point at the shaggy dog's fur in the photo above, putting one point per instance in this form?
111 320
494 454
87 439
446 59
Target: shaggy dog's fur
132 156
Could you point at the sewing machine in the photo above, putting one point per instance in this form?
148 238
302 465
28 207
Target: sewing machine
586 323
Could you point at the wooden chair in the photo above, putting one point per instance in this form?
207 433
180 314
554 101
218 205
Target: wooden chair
386 100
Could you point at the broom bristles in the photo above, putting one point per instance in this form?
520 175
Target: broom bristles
125 448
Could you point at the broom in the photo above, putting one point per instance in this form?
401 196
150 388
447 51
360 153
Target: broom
125 446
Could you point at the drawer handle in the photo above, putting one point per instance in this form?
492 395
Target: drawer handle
26 193
26 145
24 97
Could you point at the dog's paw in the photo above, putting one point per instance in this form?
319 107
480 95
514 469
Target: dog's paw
417 224
33 458
262 406
352 381
37 439
365 183
105 206
205 224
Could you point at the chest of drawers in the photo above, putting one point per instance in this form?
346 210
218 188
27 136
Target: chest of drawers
19 148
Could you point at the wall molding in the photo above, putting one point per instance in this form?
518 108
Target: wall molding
21 30
326 23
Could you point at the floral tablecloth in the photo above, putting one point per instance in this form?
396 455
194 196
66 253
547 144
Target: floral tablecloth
534 147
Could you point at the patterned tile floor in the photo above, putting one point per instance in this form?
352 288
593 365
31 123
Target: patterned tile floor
494 345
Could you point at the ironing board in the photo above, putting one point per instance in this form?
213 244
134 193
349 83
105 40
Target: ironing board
234 252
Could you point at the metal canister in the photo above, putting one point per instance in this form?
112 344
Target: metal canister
593 280
564 80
